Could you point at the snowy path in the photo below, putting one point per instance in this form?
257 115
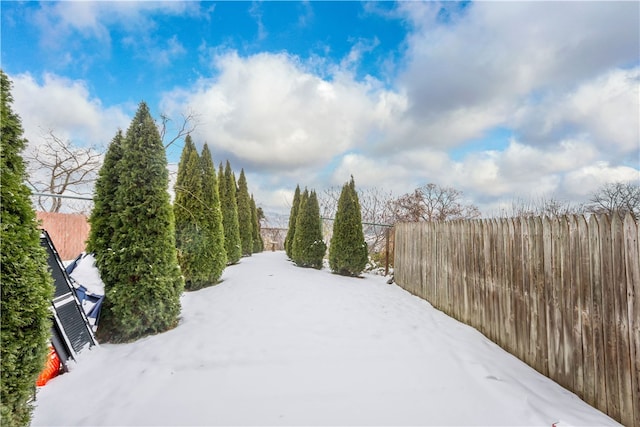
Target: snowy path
279 345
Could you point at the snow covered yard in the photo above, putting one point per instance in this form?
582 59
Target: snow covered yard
275 344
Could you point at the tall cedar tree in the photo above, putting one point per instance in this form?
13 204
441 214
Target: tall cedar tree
229 206
26 284
103 216
244 215
304 198
144 283
293 216
213 219
189 211
258 243
348 250
308 247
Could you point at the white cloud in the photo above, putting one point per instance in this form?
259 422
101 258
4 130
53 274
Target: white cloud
67 108
270 111
570 170
359 48
161 53
94 19
607 108
256 13
586 180
65 26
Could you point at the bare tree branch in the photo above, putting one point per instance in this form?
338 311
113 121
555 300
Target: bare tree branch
616 197
188 124
544 206
59 167
374 209
432 203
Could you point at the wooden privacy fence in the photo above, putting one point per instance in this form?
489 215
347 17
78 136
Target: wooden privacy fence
559 293
69 232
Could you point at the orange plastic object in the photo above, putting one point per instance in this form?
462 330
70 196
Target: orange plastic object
51 368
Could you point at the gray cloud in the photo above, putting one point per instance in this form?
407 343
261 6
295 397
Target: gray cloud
496 56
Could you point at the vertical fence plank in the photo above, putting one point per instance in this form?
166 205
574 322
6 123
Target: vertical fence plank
502 316
441 273
467 276
482 276
433 257
538 283
487 303
454 269
420 286
566 309
399 258
510 284
460 263
609 329
575 304
525 310
497 253
477 270
621 319
586 315
451 274
632 268
595 245
429 263
552 325
520 330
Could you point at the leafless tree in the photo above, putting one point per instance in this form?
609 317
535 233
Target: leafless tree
544 206
432 202
59 167
181 129
616 197
374 208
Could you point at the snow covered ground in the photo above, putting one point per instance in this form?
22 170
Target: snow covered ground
275 344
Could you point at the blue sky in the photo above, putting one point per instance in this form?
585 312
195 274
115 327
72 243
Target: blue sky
501 100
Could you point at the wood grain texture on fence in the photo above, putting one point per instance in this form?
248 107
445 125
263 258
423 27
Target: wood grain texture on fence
69 232
559 293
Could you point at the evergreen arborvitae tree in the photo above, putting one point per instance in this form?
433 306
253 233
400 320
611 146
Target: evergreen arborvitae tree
244 215
103 217
229 206
293 216
348 253
144 283
258 243
213 219
189 211
308 247
304 198
26 284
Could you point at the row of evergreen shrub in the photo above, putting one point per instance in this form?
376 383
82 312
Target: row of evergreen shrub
304 242
216 220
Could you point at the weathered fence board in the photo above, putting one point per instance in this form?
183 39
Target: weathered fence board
559 293
632 252
595 245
